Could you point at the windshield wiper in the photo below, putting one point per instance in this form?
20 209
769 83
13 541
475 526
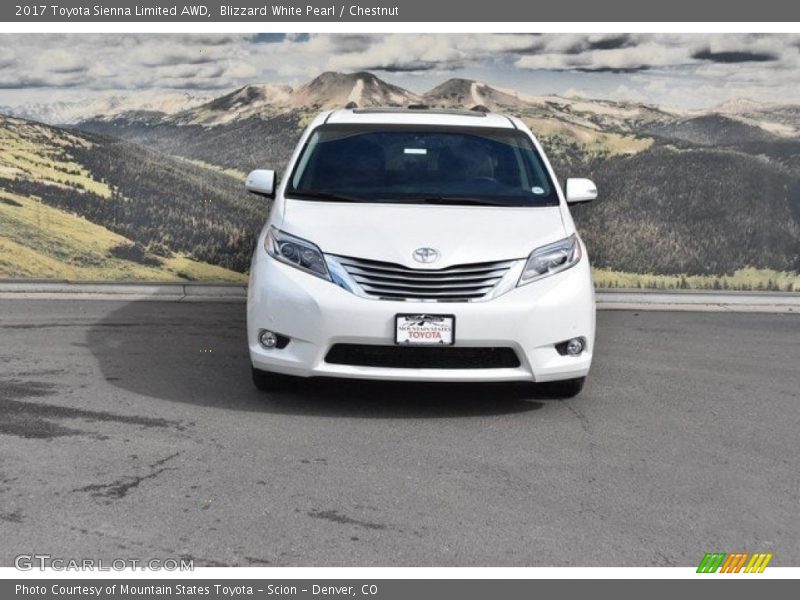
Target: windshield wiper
331 196
445 200
462 200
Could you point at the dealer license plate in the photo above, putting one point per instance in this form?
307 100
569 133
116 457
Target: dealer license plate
425 330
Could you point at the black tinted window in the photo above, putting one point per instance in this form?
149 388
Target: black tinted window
401 164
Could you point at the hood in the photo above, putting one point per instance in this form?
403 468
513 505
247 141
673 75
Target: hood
391 232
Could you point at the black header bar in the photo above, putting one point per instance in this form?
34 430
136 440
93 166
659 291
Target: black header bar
486 11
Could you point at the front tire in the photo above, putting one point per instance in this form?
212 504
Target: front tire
266 381
567 388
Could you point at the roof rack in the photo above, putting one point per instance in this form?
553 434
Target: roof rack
420 108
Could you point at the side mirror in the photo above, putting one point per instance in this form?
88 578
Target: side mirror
580 190
261 182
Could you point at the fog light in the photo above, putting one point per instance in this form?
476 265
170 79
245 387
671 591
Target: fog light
267 339
574 346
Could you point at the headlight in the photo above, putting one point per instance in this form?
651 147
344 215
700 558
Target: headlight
551 259
296 252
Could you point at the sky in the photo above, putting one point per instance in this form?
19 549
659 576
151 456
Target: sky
690 71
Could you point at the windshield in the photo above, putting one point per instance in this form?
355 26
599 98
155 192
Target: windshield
385 163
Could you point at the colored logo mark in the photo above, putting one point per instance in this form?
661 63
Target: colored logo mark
737 562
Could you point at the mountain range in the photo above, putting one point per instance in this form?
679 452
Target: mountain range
255 113
70 112
682 192
331 90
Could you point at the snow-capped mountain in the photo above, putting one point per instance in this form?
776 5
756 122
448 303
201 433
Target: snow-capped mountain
248 101
338 89
740 106
104 107
466 93
331 89
779 119
583 112
328 90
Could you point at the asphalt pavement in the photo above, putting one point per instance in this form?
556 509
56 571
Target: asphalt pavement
131 430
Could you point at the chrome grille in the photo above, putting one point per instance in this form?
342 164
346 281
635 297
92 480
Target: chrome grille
458 283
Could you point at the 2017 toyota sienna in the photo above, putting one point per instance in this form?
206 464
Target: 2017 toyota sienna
420 244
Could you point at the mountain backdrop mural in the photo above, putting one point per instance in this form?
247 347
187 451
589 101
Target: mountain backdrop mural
150 187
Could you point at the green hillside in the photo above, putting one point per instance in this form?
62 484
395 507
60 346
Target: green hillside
242 145
693 210
85 206
39 241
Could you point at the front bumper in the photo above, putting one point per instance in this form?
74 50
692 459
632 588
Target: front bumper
317 314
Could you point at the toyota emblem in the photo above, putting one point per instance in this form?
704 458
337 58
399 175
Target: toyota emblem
426 255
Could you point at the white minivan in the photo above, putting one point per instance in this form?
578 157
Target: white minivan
420 244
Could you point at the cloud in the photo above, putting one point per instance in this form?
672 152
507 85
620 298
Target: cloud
7 58
269 38
414 67
58 63
215 39
297 37
613 42
734 56
348 43
601 42
626 53
184 71
242 71
608 63
10 83
617 70
535 47
409 53
155 58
